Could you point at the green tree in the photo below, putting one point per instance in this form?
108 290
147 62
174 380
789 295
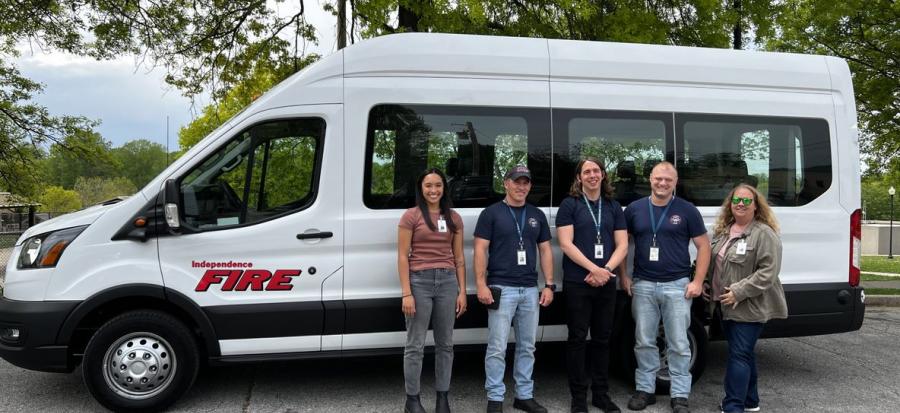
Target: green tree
93 190
83 154
59 199
264 76
141 160
866 33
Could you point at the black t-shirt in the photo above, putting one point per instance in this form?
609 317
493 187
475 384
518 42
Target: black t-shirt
681 223
574 211
497 224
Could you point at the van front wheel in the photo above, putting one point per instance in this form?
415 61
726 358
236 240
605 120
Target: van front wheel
140 361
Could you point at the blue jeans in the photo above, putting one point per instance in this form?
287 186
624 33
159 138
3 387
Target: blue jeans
651 302
740 373
519 308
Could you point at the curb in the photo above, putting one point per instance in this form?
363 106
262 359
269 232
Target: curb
883 300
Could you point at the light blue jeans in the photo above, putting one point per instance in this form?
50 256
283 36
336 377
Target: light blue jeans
651 302
519 308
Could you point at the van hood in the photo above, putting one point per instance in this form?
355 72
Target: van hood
73 219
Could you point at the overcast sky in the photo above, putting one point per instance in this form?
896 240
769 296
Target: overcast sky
131 102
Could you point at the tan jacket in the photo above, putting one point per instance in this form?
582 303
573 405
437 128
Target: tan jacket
753 276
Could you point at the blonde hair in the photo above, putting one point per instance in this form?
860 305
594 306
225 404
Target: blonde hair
762 214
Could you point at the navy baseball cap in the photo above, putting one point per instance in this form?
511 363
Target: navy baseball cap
517 172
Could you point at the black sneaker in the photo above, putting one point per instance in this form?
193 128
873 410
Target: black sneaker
529 406
604 403
679 405
494 407
641 400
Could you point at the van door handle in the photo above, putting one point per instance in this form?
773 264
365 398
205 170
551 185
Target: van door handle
312 235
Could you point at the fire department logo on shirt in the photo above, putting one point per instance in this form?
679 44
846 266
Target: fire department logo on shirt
675 219
532 222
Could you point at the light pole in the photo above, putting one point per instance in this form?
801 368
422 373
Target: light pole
891 192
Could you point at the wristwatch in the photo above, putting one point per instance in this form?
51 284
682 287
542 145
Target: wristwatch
606 267
552 287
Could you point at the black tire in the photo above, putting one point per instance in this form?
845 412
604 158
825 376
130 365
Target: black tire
698 339
140 361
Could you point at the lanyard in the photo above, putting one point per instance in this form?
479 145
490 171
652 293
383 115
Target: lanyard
598 220
518 227
654 224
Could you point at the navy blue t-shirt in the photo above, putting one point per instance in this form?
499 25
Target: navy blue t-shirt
682 223
574 211
497 225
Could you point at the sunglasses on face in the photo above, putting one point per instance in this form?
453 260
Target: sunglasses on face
737 200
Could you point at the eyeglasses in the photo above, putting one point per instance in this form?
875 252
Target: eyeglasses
736 200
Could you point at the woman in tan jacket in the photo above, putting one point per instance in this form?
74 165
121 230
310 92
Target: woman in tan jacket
747 251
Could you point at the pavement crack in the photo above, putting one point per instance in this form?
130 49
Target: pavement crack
245 408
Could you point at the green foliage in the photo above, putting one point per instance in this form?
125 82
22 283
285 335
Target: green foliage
94 190
58 199
264 76
873 263
83 154
867 34
141 160
876 201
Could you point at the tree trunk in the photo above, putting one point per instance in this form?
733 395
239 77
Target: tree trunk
738 34
408 20
341 24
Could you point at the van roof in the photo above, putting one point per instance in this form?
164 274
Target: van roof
453 55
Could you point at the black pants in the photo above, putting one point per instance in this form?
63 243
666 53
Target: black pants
589 308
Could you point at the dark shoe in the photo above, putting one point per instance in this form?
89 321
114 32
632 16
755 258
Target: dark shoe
679 405
413 405
579 405
640 400
605 404
529 406
441 404
494 407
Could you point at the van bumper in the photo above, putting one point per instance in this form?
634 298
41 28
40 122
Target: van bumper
38 323
816 309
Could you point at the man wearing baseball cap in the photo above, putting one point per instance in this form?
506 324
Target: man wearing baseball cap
507 237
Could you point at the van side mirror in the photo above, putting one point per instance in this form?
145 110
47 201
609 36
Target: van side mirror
171 199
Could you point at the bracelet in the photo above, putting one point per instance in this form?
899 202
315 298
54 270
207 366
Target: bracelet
407 295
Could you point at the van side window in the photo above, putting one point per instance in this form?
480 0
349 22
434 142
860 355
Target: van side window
474 146
787 159
628 143
266 171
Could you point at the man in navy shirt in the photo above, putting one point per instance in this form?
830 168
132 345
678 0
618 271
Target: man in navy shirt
663 226
506 237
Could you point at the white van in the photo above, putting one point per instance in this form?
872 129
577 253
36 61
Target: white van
275 237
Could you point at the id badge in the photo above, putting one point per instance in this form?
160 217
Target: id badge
742 248
522 258
654 253
442 225
598 250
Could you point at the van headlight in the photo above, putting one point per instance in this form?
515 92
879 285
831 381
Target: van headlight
44 250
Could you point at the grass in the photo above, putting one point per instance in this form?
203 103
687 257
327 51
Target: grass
882 291
873 263
875 277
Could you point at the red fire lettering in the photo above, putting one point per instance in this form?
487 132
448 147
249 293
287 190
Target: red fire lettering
210 277
233 277
254 279
281 281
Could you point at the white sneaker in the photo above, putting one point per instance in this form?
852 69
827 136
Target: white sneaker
751 409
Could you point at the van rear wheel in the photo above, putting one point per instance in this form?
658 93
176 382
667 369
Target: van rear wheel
697 339
140 361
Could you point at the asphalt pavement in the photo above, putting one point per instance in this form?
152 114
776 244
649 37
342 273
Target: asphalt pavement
855 371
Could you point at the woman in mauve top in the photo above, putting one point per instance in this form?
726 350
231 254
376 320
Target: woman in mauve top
432 272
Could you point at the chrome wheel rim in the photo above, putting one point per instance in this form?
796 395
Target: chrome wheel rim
139 365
